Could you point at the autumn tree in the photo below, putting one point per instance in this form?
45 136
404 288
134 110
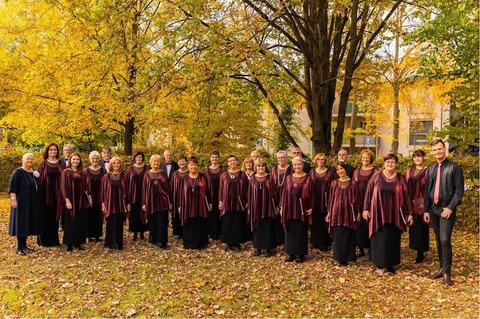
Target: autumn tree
451 53
315 46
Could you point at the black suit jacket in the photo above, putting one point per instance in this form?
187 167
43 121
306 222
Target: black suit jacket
175 167
451 185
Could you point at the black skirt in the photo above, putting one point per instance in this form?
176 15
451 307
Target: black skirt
49 228
385 246
362 234
233 228
74 230
94 222
214 223
419 238
344 244
279 231
319 237
134 222
114 231
296 238
177 228
195 233
158 224
264 236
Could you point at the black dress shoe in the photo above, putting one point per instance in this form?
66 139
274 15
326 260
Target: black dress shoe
79 247
420 258
20 252
134 237
69 248
300 259
28 248
290 258
257 252
142 236
267 253
439 274
343 263
447 280
391 270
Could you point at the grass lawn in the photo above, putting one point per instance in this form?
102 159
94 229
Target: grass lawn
145 281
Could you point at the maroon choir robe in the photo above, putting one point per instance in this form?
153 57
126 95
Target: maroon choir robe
93 181
233 192
72 186
416 187
388 202
194 197
296 200
50 178
175 182
262 200
134 182
343 206
155 194
114 194
320 191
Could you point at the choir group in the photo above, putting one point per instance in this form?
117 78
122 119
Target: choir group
289 204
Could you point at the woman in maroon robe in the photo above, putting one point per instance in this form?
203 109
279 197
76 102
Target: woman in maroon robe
279 175
156 202
194 205
134 181
388 209
114 203
93 180
175 181
362 176
262 210
213 173
419 239
232 202
296 212
343 214
75 203
50 169
322 177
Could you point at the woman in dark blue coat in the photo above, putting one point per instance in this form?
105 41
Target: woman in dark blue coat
26 196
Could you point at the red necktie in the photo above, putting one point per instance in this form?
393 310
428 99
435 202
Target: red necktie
436 192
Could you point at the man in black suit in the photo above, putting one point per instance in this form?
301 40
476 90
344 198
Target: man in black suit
169 166
67 151
106 155
444 188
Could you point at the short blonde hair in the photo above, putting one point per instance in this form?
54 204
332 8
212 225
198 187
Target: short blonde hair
297 159
260 162
247 160
93 154
154 157
114 159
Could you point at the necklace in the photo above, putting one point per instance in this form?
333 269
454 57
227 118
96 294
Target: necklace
115 177
232 175
194 183
283 175
389 176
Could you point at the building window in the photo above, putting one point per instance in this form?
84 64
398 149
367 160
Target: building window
419 131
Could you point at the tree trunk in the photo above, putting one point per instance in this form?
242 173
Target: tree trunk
353 127
128 136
